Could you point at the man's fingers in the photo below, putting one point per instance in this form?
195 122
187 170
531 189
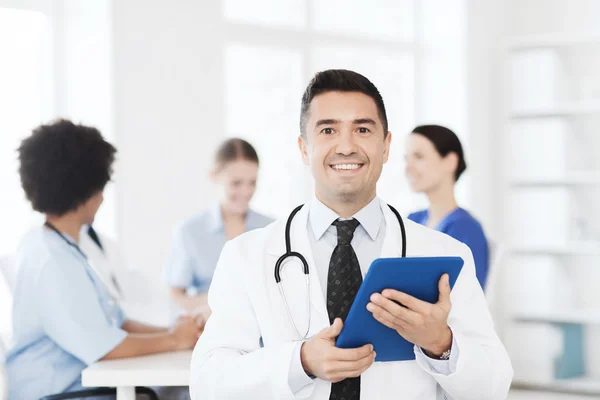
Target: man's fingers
349 367
390 310
354 366
333 330
392 323
338 354
341 370
444 288
360 371
406 300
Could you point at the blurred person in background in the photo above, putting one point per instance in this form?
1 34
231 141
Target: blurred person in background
198 241
65 317
434 163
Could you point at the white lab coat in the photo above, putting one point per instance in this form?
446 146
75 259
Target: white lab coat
229 362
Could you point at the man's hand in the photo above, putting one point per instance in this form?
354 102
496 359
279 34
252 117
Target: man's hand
419 322
322 359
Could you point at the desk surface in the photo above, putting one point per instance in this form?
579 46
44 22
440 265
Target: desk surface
166 369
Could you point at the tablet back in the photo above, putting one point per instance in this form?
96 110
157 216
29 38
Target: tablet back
416 276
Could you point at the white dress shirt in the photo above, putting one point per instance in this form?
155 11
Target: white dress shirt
367 243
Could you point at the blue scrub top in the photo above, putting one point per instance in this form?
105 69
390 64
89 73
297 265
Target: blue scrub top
463 227
63 318
197 245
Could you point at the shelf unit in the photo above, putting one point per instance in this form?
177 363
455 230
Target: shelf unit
573 179
562 110
571 249
555 108
553 40
561 317
574 386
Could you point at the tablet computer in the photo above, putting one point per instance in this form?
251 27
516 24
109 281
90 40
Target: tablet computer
416 276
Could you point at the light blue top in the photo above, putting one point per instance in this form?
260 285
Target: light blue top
197 245
462 226
367 243
63 318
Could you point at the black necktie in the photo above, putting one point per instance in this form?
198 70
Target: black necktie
343 280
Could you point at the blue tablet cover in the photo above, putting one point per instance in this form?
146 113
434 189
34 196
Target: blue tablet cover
416 276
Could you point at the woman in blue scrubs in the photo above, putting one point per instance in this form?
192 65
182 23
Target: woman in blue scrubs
434 163
197 242
64 318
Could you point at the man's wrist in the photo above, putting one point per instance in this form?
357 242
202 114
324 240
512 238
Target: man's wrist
438 349
303 361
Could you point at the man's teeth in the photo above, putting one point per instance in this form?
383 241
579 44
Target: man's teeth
345 166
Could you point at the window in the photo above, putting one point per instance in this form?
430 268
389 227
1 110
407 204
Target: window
269 58
377 19
287 13
25 98
263 107
40 84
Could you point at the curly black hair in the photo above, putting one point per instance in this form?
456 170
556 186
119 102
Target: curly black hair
62 165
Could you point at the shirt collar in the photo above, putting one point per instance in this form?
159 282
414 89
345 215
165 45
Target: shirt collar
216 224
321 217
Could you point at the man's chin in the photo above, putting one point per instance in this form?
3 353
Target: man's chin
347 193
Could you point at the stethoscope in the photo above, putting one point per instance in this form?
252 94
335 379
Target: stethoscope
112 297
289 253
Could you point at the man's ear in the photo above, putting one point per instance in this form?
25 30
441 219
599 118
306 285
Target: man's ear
386 150
303 146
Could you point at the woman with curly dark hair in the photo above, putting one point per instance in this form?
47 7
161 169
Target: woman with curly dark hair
64 316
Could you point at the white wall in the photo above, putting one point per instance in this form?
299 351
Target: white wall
442 77
83 78
169 117
484 113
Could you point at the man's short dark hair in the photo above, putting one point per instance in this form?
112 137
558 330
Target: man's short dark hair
340 80
62 165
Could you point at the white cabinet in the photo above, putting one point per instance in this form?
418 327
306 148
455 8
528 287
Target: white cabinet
553 215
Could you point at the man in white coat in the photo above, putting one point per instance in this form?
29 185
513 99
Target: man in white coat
253 346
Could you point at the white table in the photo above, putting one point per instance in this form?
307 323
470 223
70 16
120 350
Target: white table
166 369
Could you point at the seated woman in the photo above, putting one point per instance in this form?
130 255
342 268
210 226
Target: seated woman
64 316
434 163
197 242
